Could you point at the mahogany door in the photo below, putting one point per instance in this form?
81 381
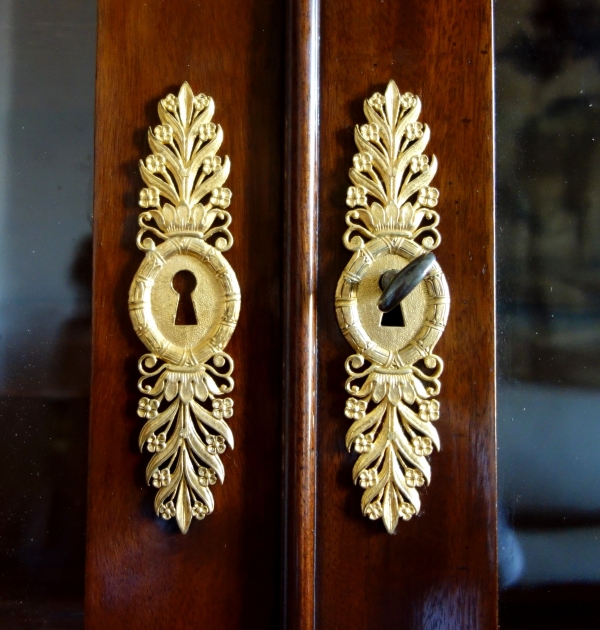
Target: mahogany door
287 546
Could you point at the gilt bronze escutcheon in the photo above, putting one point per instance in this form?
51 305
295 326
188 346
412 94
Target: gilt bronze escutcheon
187 375
394 377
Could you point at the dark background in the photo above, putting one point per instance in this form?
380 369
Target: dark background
548 282
47 75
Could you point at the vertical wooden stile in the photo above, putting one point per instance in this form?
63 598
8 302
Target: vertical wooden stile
300 316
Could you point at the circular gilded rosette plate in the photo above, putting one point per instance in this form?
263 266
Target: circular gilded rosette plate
153 301
425 309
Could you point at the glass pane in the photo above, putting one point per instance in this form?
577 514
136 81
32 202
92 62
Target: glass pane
548 256
47 71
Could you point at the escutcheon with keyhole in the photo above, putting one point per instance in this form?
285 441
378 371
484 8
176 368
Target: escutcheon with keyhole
184 318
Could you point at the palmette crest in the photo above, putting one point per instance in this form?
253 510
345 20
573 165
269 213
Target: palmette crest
393 172
185 388
392 400
185 170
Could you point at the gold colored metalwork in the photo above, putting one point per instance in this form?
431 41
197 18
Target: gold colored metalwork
187 372
394 376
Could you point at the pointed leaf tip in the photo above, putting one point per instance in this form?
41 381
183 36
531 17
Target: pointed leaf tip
392 86
391 513
392 103
183 509
186 103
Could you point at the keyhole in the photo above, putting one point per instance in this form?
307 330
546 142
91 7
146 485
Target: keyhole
184 283
395 317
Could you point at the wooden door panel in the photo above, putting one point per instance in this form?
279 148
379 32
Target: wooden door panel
340 570
141 572
439 570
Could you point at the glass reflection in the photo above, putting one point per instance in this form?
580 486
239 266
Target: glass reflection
47 68
548 257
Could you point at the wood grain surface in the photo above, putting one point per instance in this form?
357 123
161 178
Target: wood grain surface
300 312
439 570
225 573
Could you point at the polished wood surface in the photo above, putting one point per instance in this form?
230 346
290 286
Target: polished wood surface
439 570
142 573
300 314
339 570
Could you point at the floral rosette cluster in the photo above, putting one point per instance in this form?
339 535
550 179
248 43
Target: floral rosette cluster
185 170
392 169
187 436
393 412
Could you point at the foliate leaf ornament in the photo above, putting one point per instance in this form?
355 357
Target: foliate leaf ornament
186 377
394 377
